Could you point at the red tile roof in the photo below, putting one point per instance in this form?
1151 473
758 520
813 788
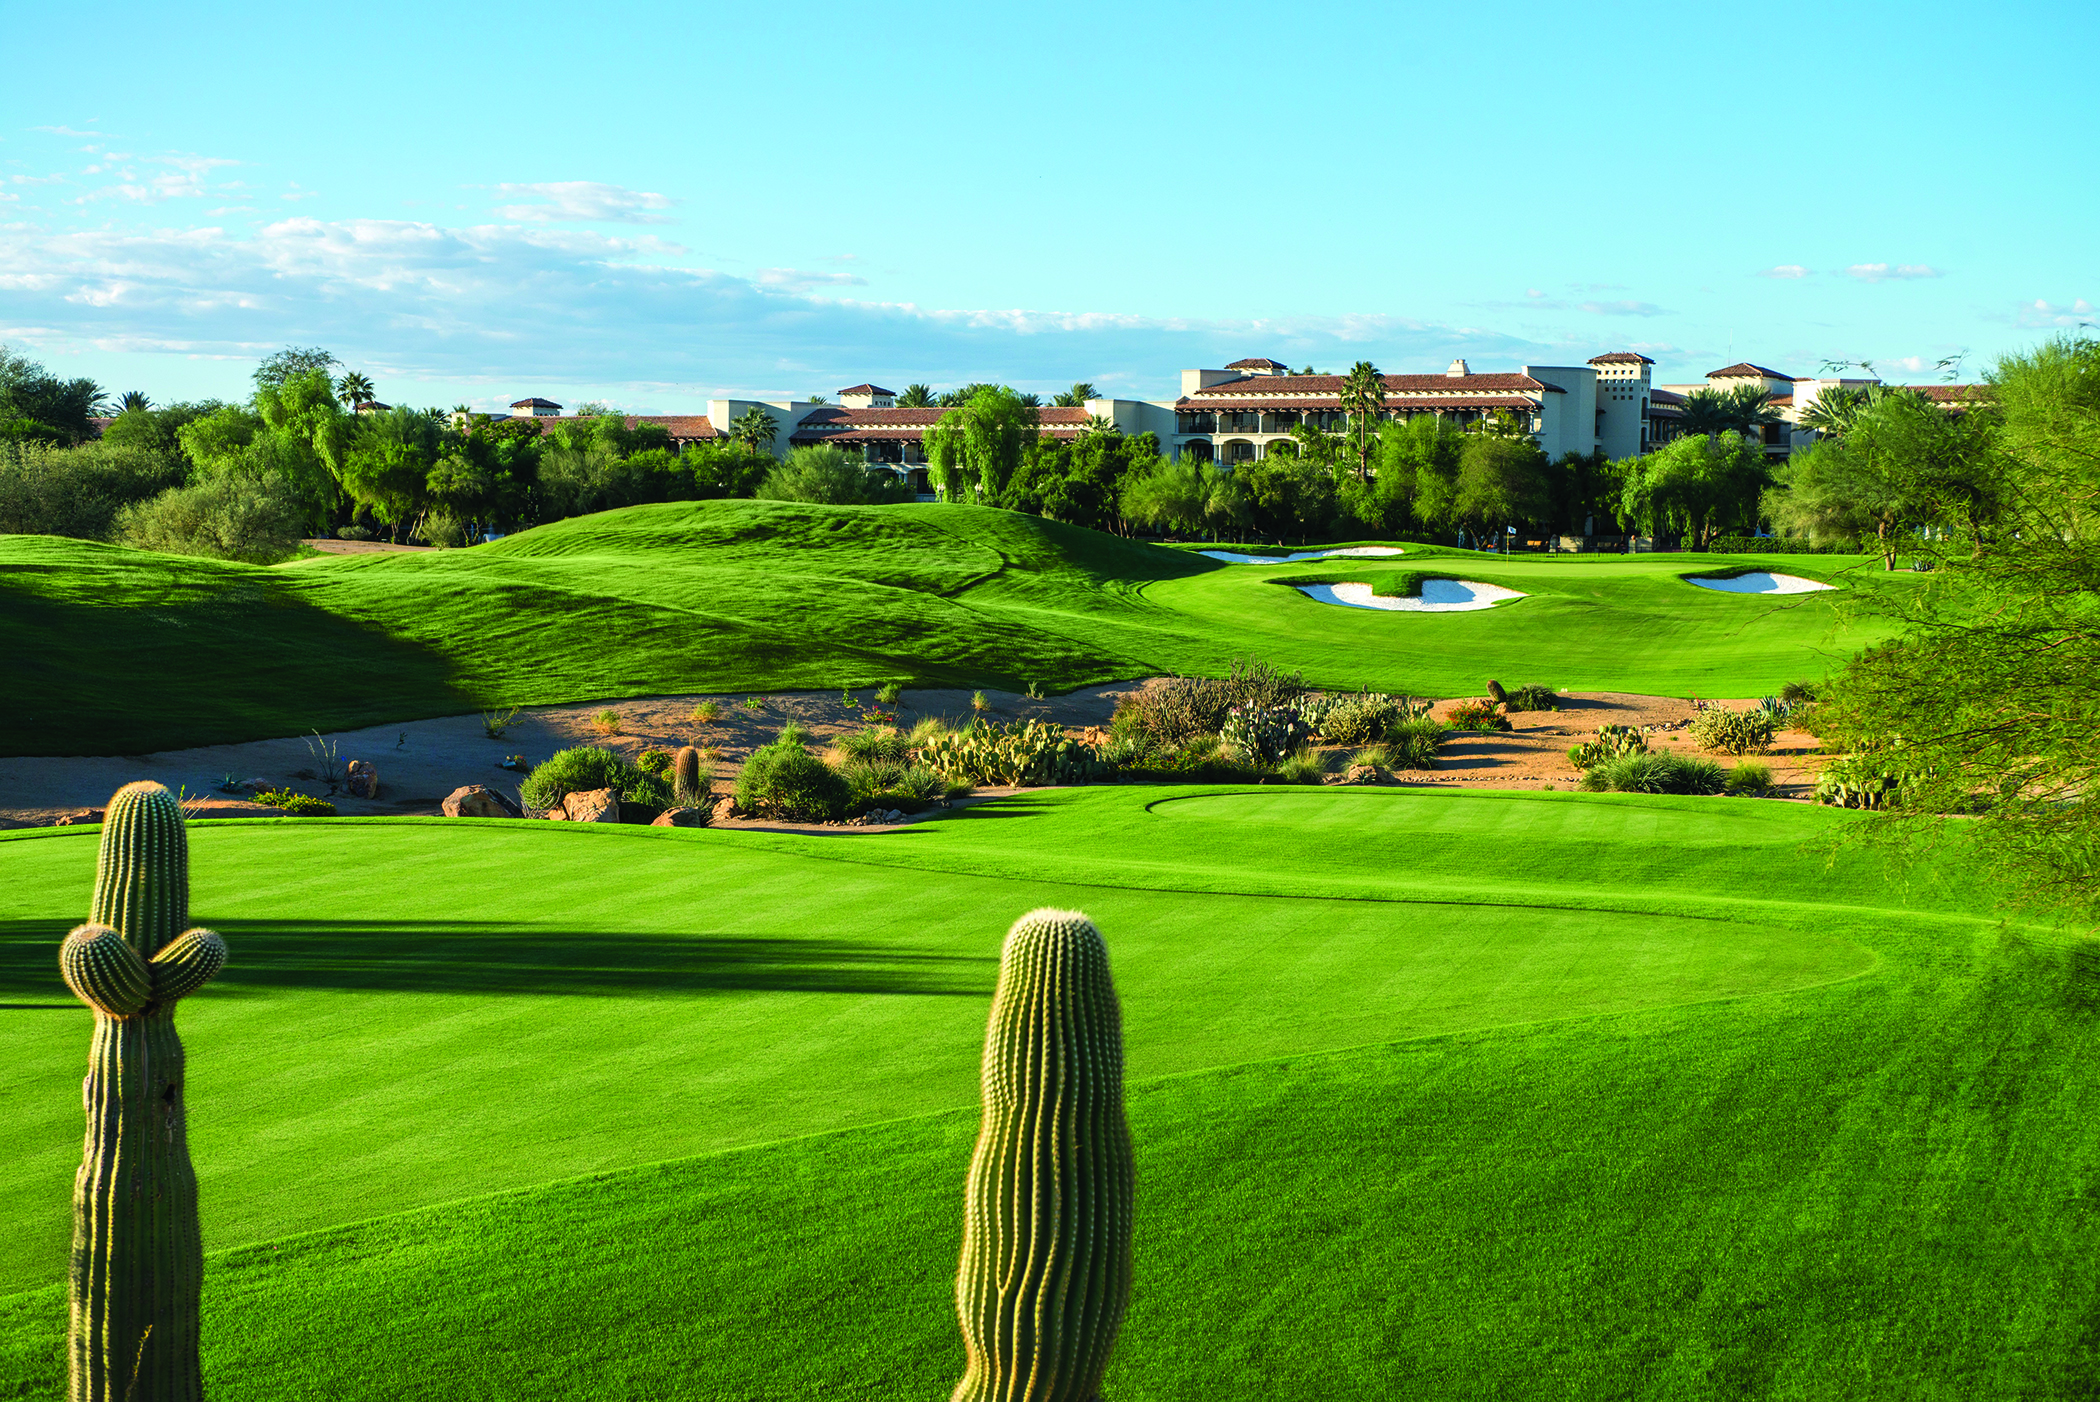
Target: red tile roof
1330 386
1664 397
875 390
1392 401
1257 365
1620 358
534 404
1950 394
1743 369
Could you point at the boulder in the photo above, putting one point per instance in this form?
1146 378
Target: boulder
479 801
361 779
592 806
684 817
86 815
1361 774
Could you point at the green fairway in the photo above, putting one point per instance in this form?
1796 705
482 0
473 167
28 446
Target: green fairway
1435 1094
740 595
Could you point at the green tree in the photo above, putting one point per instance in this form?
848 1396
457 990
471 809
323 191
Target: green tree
1420 456
292 360
829 476
916 397
1694 485
754 429
389 463
980 443
1501 481
1363 398
1983 714
34 403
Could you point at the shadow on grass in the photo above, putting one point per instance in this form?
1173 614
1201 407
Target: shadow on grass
466 956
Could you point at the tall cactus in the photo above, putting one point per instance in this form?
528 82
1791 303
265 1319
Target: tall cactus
686 784
1045 1273
138 1261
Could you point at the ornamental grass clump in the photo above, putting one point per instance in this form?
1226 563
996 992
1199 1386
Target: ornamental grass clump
1733 732
883 742
1044 1278
784 780
1655 773
1413 743
1750 780
138 1257
1531 697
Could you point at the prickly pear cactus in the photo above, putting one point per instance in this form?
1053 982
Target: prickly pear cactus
1045 1273
138 1262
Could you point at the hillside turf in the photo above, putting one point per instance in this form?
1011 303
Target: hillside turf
1435 1094
114 651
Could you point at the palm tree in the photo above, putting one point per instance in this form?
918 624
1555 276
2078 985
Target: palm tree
916 397
1705 411
1749 408
816 399
1101 423
1076 397
754 428
1308 370
1363 398
355 389
1032 401
133 399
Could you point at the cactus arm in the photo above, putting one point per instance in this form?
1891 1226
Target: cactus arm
142 875
104 971
187 964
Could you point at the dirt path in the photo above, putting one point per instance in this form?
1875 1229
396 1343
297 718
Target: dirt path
419 762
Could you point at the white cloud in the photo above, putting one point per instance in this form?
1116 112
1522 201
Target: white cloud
68 131
38 179
1785 270
1882 272
584 201
1624 309
560 306
2047 315
795 280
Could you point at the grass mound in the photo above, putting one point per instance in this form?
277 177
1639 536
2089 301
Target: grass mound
1596 1114
746 595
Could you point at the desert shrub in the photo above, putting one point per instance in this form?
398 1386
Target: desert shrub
926 729
1263 734
829 476
1655 772
446 531
47 490
1028 752
707 713
586 767
606 722
1750 779
352 532
784 780
1412 744
230 516
1736 732
1478 715
1797 693
1366 718
653 761
296 805
884 783
1611 742
882 742
1531 697
1189 706
890 693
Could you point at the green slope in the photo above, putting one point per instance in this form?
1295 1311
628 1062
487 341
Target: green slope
1549 1096
120 651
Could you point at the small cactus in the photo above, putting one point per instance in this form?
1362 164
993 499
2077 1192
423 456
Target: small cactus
138 1259
688 785
1045 1274
1496 693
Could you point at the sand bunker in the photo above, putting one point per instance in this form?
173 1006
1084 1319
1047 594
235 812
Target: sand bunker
1437 596
1760 582
1231 559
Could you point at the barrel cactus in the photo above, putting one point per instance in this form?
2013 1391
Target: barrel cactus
1045 1274
138 1261
687 785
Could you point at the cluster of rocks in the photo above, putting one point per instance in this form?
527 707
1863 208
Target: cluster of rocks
877 818
1361 774
589 806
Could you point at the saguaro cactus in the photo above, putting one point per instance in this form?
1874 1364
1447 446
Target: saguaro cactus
686 784
138 1262
1045 1273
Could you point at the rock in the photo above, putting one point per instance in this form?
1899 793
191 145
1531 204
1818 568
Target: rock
361 779
555 815
592 806
85 815
684 817
479 801
1361 774
257 785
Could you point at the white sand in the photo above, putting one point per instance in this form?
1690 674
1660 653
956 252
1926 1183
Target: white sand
1759 582
1231 559
1437 596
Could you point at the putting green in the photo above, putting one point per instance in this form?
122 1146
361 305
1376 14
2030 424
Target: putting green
736 596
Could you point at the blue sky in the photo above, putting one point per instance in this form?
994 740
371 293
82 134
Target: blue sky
658 204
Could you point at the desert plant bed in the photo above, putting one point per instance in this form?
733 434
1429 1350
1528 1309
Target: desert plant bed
1432 1093
769 596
